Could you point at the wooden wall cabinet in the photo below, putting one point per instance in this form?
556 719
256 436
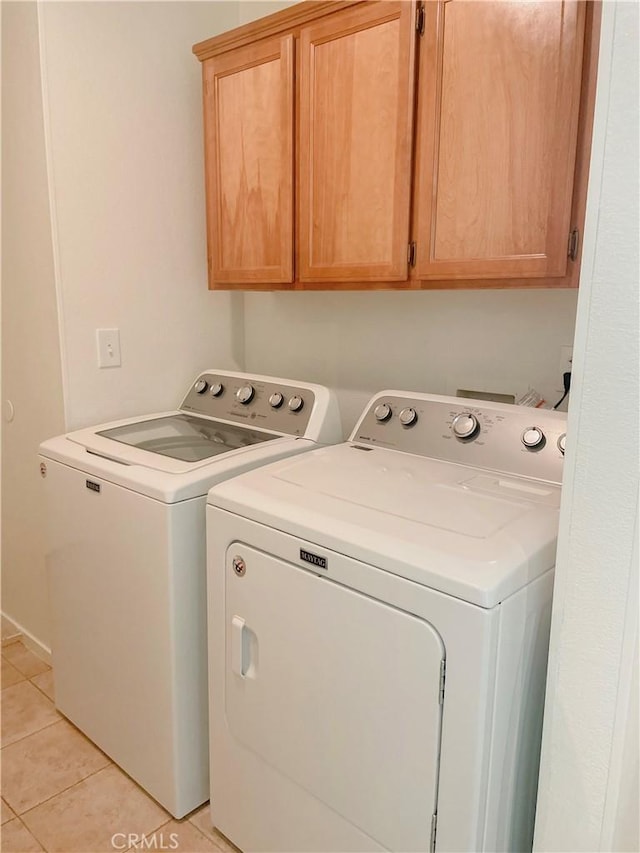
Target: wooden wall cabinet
500 93
249 174
355 134
387 143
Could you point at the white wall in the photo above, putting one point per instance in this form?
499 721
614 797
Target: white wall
588 793
123 96
360 343
31 377
250 10
103 226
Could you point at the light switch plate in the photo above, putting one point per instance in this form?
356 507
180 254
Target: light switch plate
108 341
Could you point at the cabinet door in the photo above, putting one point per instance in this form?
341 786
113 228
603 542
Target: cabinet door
356 115
249 163
499 101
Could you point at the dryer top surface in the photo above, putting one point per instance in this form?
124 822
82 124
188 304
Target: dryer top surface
477 535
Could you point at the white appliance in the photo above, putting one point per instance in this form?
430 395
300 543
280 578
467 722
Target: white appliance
378 631
125 506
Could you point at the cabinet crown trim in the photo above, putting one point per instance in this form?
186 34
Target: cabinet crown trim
286 20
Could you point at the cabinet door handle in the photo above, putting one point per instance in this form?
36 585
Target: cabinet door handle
238 645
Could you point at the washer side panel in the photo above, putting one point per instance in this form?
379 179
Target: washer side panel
109 575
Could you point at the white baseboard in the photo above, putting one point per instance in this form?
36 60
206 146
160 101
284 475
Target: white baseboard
31 642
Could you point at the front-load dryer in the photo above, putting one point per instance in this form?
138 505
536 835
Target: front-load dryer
125 508
378 631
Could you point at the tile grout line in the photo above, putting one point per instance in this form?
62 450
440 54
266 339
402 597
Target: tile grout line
48 725
193 826
32 834
25 649
41 690
37 731
215 844
28 677
165 822
19 816
206 837
23 674
204 834
62 791
22 823
188 820
111 763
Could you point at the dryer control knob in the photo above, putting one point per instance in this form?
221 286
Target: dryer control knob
561 442
217 389
276 400
201 386
245 394
408 417
382 412
296 403
533 438
465 426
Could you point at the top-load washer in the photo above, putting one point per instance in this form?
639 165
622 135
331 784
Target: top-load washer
125 506
378 632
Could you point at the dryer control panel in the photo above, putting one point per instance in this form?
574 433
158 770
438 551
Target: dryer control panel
516 440
253 401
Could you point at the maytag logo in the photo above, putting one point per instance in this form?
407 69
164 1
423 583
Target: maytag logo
95 487
314 559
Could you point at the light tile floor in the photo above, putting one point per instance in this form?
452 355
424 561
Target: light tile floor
60 793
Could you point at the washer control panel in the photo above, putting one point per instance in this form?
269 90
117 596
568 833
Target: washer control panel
252 401
516 440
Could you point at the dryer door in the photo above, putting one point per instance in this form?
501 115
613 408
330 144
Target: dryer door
338 692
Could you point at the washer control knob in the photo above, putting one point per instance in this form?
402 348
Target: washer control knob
533 438
276 400
217 389
465 426
408 417
296 403
201 386
382 412
561 442
245 394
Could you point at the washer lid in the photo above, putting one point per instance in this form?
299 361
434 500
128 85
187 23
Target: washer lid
168 442
185 437
160 476
469 533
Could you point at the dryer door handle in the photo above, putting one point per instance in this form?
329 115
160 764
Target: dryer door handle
238 646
